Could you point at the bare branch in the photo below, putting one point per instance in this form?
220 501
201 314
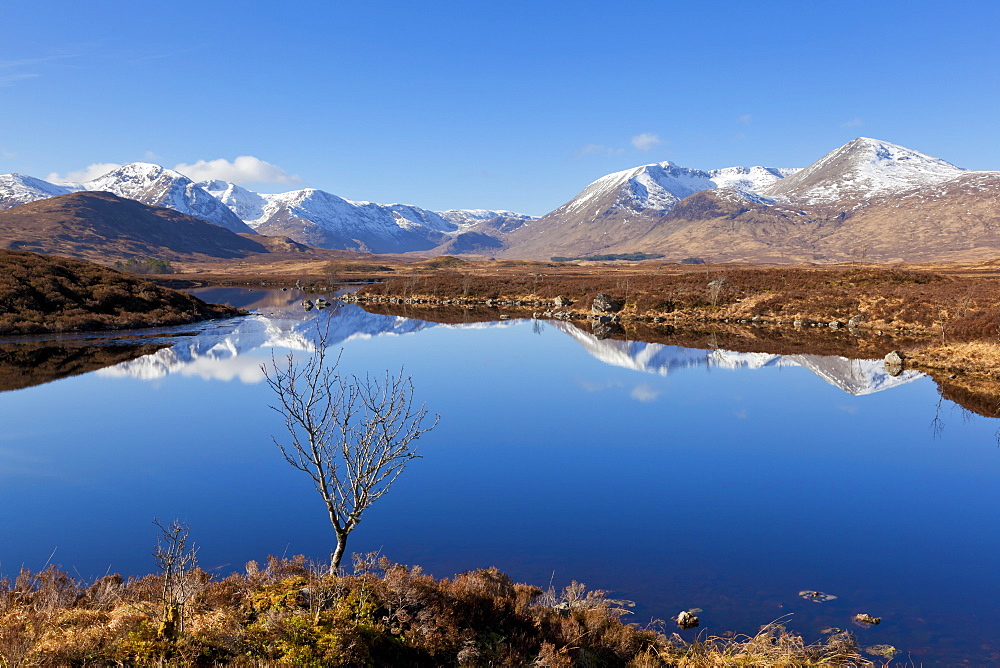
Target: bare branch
352 436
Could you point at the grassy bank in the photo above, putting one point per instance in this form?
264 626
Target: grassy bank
287 613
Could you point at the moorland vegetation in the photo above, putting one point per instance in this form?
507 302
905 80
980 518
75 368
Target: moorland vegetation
288 612
43 293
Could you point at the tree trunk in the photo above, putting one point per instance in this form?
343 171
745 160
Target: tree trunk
338 554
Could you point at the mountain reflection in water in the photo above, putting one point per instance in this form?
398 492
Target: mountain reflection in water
215 353
27 363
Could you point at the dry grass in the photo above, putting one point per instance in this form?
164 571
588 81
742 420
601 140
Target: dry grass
772 646
964 357
893 298
289 613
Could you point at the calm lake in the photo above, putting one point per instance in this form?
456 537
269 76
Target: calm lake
673 477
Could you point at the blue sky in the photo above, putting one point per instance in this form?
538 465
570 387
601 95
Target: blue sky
514 105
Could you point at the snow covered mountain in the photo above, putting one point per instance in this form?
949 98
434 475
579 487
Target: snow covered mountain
322 219
319 218
18 189
626 205
310 216
861 169
868 198
467 218
157 186
660 186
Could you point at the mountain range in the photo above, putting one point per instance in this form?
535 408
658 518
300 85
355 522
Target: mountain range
308 216
866 200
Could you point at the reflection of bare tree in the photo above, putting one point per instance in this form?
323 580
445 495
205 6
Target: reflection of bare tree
937 424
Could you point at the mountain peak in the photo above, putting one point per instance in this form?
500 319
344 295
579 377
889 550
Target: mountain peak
862 168
158 186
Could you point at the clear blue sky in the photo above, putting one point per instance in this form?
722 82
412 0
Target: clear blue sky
514 105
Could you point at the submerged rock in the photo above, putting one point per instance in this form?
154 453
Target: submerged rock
686 620
865 618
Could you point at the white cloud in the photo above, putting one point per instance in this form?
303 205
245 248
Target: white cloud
745 119
853 123
7 154
644 393
646 141
242 170
86 174
151 157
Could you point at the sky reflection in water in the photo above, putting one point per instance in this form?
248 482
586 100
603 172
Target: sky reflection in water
660 474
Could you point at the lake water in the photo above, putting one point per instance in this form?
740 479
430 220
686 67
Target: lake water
674 477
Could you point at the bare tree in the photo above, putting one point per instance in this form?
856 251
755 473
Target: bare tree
181 576
352 436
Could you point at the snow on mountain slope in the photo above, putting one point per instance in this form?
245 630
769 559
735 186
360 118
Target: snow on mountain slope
20 189
661 185
157 186
246 204
860 169
464 218
322 219
749 180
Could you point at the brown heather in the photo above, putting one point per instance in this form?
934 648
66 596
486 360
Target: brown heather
289 613
52 294
885 297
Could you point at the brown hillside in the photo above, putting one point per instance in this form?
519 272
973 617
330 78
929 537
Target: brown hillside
602 223
101 227
956 221
41 293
